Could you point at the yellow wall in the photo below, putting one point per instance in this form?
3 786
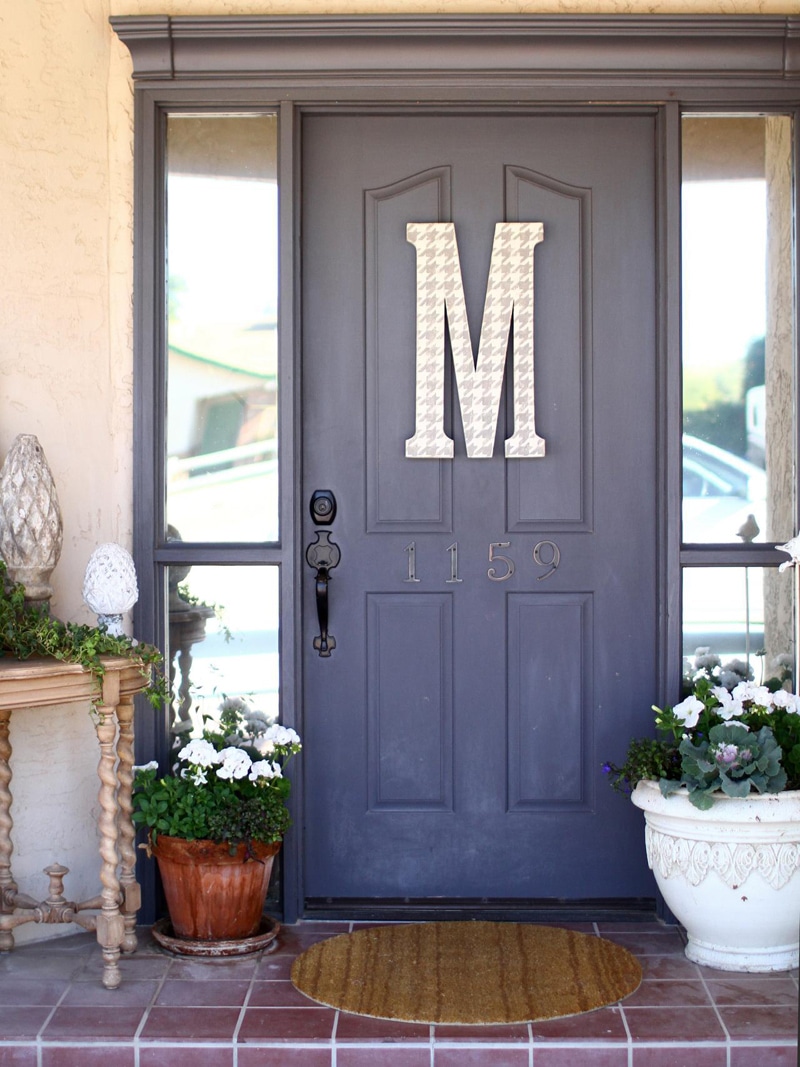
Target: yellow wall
66 191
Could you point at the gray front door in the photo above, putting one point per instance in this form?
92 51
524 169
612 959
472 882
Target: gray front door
494 619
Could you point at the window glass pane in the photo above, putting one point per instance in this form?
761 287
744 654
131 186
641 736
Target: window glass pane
743 614
223 640
222 225
738 329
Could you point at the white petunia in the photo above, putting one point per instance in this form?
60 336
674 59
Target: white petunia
790 702
199 753
757 694
728 706
688 711
151 766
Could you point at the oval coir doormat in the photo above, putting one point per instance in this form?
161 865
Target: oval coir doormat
466 972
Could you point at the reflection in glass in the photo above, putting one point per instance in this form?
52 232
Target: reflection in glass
737 329
734 612
222 223
223 640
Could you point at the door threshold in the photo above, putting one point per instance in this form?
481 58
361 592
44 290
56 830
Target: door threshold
407 909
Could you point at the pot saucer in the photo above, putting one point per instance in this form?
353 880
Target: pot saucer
164 936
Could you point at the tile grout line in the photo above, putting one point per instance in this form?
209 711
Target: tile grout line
719 1017
146 1013
242 1010
39 1035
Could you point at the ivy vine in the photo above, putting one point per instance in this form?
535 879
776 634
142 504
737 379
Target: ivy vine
27 631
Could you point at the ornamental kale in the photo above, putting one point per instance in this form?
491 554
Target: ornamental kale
734 759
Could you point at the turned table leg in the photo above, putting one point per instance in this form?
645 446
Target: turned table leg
131 893
8 887
110 923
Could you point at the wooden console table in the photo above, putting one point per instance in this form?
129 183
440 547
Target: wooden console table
38 683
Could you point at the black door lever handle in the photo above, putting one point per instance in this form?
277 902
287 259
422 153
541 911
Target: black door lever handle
323 555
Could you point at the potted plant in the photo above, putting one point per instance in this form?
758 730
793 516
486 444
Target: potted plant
217 821
719 790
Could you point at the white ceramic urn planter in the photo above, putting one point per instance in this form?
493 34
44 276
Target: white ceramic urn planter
730 875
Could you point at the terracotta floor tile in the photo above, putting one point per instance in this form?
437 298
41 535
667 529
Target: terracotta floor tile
668 943
669 967
733 993
32 991
277 966
258 1056
213 970
18 1055
278 994
359 1028
191 1056
287 1024
513 1034
654 993
85 1056
699 1056
604 1024
586 1056
93 1023
760 1023
130 994
385 1056
659 1024
764 1056
178 992
190 1024
476 1057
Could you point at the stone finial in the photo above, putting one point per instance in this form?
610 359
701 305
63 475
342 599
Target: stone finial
31 531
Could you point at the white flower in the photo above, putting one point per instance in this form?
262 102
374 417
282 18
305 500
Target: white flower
757 694
196 775
689 710
789 701
281 735
264 769
793 549
199 753
728 706
263 746
151 766
235 763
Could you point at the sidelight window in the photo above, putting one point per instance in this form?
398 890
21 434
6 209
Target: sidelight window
221 456
738 383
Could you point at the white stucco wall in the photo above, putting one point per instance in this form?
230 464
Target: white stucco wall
66 194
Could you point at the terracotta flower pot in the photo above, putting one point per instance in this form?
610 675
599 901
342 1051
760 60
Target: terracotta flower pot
211 894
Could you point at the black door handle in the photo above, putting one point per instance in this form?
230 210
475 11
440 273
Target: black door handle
323 555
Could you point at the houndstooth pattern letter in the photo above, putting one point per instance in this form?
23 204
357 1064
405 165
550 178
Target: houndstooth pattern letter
509 293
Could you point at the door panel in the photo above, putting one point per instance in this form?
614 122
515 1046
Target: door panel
454 738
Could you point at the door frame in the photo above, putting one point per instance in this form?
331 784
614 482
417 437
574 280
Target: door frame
306 64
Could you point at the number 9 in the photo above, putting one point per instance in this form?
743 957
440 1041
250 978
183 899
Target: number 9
552 563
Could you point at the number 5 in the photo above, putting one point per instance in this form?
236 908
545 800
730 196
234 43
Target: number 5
493 557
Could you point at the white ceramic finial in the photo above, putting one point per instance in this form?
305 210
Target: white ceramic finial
109 585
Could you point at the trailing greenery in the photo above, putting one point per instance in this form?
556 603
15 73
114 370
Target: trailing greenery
226 786
27 631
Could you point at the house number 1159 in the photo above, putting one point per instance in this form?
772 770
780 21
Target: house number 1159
546 554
